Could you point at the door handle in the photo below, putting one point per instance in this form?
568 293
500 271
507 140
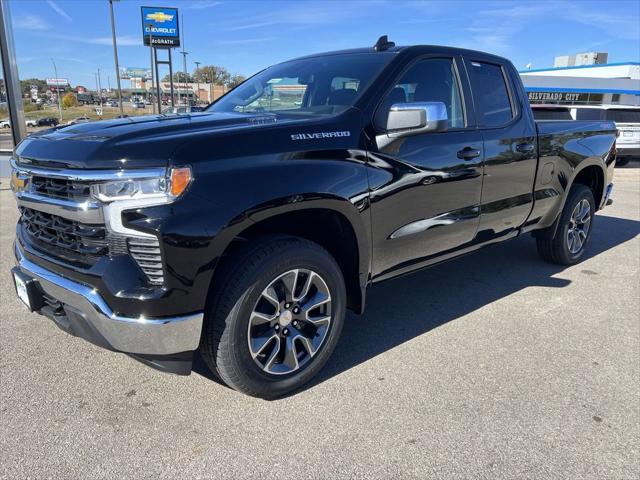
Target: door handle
468 153
525 147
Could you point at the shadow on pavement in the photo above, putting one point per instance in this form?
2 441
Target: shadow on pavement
401 309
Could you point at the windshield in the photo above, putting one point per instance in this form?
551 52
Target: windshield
624 116
323 85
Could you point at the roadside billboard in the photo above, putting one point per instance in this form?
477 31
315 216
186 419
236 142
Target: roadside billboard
57 82
160 24
127 73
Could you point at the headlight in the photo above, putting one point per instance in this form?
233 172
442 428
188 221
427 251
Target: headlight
165 189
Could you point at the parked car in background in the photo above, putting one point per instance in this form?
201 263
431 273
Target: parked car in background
87 99
31 122
112 103
138 105
48 122
79 120
6 123
625 117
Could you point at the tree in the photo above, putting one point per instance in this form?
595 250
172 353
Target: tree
212 74
235 80
69 100
25 85
179 77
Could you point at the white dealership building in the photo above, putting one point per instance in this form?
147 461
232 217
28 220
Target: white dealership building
603 83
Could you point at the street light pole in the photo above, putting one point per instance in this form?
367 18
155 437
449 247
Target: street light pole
198 88
184 61
55 70
100 91
184 67
115 54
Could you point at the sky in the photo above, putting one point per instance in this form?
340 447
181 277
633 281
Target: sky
246 36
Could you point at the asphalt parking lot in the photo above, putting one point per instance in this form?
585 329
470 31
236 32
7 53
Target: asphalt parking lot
496 365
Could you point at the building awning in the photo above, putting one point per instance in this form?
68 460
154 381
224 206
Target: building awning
543 83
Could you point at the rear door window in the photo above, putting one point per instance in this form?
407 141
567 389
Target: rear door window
492 94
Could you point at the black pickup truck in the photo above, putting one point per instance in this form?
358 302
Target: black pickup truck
246 231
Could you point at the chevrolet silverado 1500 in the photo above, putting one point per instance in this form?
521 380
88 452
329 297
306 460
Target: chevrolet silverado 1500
246 231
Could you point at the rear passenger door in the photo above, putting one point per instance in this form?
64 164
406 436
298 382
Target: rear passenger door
510 150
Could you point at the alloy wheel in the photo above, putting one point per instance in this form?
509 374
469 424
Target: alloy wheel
579 225
290 321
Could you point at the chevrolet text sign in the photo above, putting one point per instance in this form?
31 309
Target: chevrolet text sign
160 25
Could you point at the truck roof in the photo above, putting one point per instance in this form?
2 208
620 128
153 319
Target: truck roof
416 49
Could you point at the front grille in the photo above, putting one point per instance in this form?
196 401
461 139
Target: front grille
146 253
61 219
60 188
64 236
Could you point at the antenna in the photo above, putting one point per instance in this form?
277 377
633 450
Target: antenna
383 44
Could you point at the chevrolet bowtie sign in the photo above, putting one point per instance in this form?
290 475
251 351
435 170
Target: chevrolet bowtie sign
160 26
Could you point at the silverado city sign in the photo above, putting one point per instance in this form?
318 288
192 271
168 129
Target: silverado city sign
563 97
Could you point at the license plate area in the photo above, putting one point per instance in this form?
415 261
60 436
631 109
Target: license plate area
27 290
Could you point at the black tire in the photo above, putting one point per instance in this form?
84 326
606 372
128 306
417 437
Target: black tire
622 161
224 345
556 249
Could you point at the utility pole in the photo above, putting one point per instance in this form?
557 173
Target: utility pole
198 89
184 60
115 55
55 70
153 105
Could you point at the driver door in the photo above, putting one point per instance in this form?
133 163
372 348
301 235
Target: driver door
425 188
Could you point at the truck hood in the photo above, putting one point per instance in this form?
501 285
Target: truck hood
134 142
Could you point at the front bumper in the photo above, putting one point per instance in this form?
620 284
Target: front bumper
83 312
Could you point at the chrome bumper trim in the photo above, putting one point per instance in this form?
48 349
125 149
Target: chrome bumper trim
157 336
607 194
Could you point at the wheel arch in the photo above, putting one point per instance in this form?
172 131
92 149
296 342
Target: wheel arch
591 174
336 225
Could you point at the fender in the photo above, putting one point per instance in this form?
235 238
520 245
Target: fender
564 152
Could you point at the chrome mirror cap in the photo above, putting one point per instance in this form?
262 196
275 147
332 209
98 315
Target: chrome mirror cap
416 118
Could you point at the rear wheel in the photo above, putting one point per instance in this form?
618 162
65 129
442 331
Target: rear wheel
275 317
568 244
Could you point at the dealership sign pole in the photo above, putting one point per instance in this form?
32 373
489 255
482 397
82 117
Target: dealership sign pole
160 30
153 105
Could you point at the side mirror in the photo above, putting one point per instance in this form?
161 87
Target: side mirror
415 118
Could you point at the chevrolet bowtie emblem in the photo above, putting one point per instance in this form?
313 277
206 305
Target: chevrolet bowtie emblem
18 181
159 17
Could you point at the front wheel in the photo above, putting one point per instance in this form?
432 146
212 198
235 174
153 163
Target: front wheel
568 244
275 317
